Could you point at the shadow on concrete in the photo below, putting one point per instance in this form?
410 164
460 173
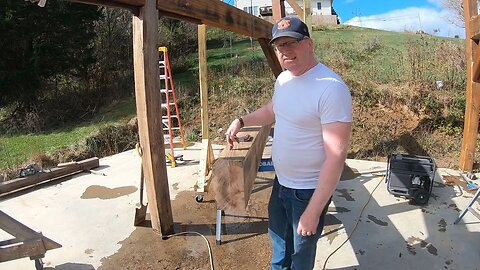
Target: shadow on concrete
71 266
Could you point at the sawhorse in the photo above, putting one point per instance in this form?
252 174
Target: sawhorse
470 208
266 165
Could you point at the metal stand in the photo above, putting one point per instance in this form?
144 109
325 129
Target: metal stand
218 227
469 208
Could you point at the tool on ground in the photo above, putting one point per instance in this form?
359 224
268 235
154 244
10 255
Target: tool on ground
170 121
141 212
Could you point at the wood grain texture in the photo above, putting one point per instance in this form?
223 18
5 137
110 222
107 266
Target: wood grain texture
149 115
235 171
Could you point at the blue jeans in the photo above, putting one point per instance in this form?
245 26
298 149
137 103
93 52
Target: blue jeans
290 250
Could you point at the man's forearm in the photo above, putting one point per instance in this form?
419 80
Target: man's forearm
260 117
328 180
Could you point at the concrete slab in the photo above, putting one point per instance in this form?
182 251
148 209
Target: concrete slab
92 217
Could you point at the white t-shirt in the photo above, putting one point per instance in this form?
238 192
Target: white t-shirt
301 105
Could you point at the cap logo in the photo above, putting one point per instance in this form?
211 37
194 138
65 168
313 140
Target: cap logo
283 24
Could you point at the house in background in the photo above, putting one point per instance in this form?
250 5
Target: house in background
322 10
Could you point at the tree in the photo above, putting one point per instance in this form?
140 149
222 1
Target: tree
456 6
38 43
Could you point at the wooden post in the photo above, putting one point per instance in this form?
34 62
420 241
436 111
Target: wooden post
472 109
307 14
149 115
206 155
271 57
278 9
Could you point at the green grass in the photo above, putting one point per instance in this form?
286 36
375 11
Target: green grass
15 150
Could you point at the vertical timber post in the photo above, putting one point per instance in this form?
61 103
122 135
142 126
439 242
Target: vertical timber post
307 14
206 154
149 116
278 9
470 129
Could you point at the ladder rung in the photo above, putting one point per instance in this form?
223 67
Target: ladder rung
165 90
171 116
173 128
163 77
164 105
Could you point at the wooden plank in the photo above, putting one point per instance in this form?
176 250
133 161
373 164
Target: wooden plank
22 232
234 172
474 32
149 115
218 14
271 56
296 7
9 187
278 9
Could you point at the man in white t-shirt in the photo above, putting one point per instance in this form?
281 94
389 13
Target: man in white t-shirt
312 111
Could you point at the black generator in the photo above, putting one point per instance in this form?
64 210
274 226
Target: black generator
410 176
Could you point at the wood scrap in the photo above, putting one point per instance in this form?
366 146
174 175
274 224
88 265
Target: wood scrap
21 183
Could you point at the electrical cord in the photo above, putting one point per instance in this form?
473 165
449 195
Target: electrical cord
355 226
204 238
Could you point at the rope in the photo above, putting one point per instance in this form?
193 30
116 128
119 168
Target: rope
204 238
355 226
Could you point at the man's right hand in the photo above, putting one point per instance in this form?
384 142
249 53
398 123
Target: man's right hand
231 133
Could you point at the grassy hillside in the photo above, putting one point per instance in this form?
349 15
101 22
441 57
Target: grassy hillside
392 77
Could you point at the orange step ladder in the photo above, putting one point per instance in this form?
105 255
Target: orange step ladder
171 122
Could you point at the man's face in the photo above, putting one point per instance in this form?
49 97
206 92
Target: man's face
295 55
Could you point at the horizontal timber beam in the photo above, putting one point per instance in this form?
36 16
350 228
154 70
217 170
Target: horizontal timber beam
212 13
218 14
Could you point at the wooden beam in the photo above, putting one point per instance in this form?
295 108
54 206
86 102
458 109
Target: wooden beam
206 152
149 115
203 77
132 5
23 233
29 248
9 187
296 7
474 32
278 8
307 14
475 61
235 171
271 56
218 14
472 109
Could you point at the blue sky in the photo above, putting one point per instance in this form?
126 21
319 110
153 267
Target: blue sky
399 15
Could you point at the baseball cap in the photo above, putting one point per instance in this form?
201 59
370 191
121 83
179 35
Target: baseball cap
289 27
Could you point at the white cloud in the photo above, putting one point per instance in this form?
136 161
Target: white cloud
412 19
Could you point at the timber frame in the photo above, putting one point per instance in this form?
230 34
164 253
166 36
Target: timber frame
472 109
145 24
